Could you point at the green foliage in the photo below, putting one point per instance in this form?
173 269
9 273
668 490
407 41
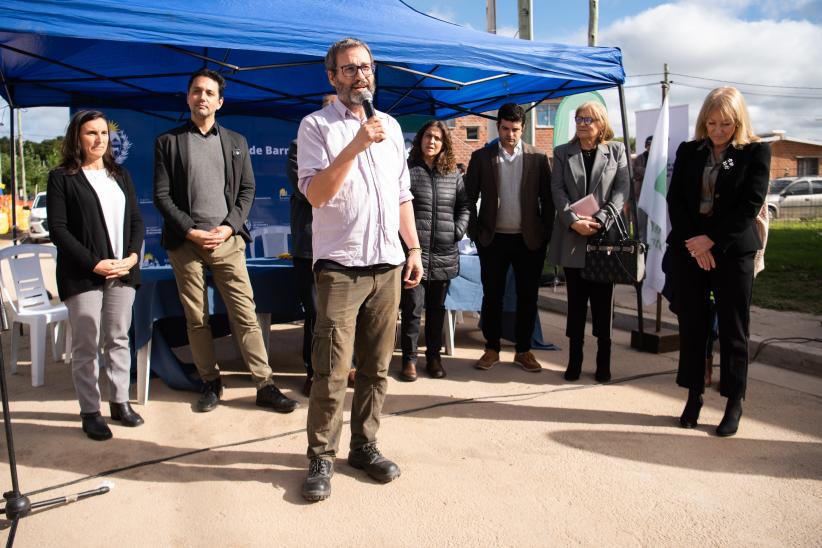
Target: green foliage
40 159
792 279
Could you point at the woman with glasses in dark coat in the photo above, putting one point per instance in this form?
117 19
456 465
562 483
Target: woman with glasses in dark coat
95 223
718 186
441 213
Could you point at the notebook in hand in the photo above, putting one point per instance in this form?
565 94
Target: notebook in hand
586 206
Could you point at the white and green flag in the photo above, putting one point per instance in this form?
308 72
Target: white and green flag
652 201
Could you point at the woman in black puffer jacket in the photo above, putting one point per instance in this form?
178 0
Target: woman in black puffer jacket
441 213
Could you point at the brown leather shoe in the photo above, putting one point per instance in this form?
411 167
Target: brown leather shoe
408 372
352 376
527 361
488 360
435 368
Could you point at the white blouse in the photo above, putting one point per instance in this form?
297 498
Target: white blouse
113 202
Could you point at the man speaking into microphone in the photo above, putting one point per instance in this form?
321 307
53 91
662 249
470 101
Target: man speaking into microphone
353 171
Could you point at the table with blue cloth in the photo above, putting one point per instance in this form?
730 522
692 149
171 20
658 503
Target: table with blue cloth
465 294
157 299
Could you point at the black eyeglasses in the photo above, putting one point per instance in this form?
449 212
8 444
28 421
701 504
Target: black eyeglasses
351 70
587 120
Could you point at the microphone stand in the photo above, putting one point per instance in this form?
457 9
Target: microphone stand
18 505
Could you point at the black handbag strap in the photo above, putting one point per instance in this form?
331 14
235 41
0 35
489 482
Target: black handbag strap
611 212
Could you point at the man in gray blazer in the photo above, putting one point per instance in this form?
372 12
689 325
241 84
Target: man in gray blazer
204 188
513 226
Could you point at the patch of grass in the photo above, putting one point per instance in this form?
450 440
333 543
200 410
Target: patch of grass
792 279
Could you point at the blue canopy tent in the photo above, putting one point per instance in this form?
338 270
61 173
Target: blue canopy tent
138 55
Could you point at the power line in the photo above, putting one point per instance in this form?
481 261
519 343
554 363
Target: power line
804 97
746 83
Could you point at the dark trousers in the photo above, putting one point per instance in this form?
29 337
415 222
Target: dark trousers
581 291
431 295
732 284
308 298
509 250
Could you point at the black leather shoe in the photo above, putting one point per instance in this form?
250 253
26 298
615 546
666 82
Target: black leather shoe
125 414
317 485
369 458
271 397
730 421
434 367
95 426
212 392
690 415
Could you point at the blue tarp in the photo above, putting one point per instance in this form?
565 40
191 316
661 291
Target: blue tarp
138 54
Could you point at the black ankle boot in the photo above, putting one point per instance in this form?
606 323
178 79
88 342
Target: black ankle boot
95 426
730 421
693 406
603 373
574 359
125 414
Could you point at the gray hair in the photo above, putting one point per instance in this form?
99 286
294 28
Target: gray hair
342 45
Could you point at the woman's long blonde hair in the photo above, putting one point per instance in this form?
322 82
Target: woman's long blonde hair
730 104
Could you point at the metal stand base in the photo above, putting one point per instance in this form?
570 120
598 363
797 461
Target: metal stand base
655 342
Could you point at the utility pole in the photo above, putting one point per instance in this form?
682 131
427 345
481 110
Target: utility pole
593 21
491 16
22 157
525 9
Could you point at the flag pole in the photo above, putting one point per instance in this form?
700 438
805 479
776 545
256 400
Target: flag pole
632 198
665 85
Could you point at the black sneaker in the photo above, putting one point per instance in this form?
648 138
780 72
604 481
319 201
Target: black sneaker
369 458
271 397
212 392
317 485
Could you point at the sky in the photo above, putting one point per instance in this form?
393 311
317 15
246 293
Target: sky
770 49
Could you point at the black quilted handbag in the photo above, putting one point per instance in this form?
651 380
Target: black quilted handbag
617 261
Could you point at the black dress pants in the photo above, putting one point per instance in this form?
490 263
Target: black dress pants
509 251
580 291
308 298
732 284
431 296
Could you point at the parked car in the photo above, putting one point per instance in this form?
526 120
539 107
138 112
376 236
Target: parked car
778 185
38 224
801 198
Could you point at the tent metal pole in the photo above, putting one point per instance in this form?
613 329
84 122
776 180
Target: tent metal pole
638 286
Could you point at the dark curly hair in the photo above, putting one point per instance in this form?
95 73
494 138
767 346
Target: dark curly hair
445 162
72 151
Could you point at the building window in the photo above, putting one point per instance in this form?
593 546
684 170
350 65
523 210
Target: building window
472 133
807 166
546 114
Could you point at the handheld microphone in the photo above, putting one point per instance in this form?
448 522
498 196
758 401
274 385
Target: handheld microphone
367 103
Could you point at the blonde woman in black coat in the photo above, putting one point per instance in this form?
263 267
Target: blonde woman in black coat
95 223
718 186
441 214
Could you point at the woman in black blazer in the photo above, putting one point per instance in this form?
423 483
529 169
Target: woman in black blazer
441 214
718 186
95 223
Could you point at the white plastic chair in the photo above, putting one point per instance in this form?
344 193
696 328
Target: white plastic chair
30 305
275 240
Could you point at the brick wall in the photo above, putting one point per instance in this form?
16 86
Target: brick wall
784 153
463 147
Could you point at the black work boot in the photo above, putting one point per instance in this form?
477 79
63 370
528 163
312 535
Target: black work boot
125 414
574 359
317 485
212 392
603 373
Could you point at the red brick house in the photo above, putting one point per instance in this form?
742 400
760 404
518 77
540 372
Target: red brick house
792 157
468 133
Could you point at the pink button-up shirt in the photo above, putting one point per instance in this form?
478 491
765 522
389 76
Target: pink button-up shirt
360 225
